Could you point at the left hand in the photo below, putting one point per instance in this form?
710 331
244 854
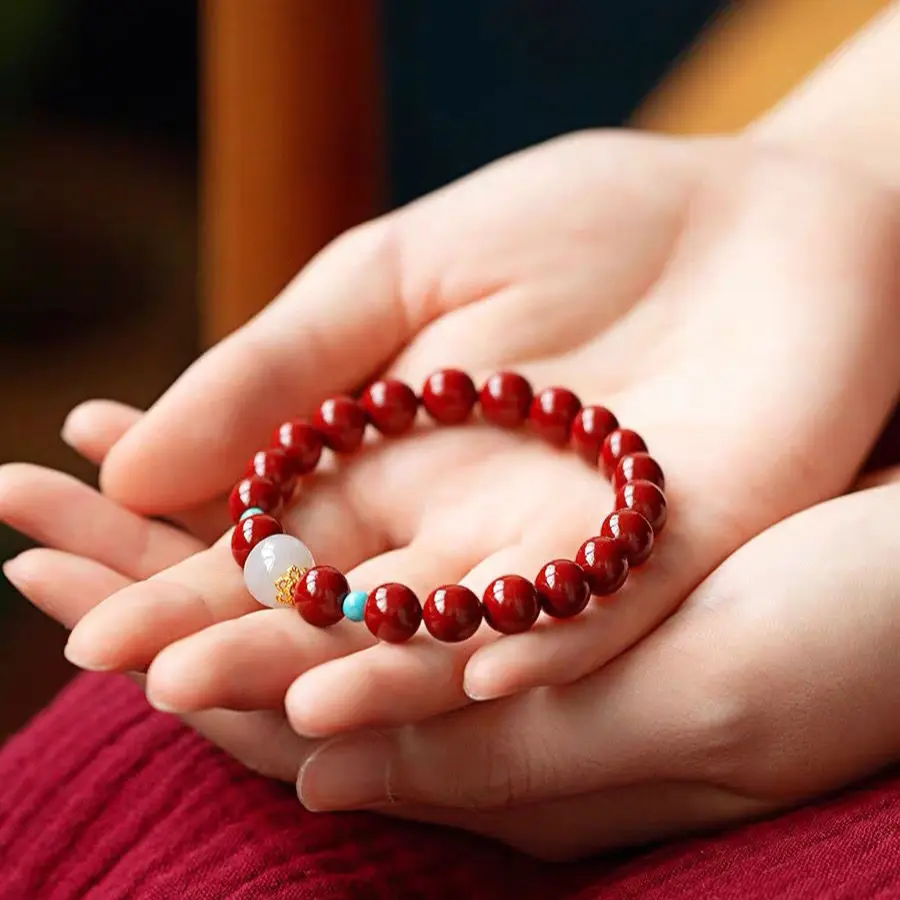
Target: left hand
754 696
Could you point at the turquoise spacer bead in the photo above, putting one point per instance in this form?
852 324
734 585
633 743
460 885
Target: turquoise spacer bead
354 607
252 511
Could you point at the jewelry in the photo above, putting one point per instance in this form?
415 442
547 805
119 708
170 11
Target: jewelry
279 569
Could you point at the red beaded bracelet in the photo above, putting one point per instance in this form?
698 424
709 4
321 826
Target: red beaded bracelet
279 569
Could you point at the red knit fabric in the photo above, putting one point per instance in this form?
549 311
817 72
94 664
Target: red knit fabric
102 798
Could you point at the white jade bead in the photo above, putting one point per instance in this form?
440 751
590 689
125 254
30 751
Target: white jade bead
269 560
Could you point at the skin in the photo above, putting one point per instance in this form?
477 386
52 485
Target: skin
701 254
755 696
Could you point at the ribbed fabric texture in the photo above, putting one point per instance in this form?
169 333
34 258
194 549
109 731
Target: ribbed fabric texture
102 798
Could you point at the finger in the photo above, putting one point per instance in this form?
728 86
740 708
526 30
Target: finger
382 686
59 511
555 653
342 522
246 663
341 319
250 662
129 628
133 626
60 584
66 587
627 723
93 427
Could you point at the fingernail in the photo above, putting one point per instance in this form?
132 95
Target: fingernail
69 431
346 773
80 658
480 694
162 706
9 571
473 693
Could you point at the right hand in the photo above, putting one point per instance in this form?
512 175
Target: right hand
734 304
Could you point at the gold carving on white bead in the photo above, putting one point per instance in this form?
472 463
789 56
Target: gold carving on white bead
285 584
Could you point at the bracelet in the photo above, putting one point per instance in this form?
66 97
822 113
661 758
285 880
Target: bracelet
279 570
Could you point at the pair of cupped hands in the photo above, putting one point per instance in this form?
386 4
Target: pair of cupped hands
735 303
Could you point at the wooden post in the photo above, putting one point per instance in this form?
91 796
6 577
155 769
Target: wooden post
291 138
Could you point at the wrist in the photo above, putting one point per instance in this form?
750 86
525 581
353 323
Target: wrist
848 111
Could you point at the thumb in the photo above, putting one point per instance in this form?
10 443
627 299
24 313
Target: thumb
340 320
625 724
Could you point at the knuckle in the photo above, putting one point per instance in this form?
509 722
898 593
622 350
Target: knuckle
506 778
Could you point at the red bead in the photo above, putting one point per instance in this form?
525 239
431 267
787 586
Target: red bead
319 596
505 399
393 613
617 444
589 431
638 467
249 532
253 491
448 396
562 589
632 532
452 613
511 604
301 443
647 499
342 423
275 465
552 413
604 564
391 406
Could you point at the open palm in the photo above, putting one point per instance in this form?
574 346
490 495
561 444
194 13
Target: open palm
731 303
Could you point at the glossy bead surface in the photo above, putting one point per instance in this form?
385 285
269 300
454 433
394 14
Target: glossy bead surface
275 465
354 606
342 424
448 396
616 445
393 613
647 499
319 596
590 429
632 532
505 399
301 443
274 567
249 532
638 467
391 406
251 511
253 491
452 613
552 413
604 564
510 604
562 589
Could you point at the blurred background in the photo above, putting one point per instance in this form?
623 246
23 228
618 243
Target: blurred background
165 167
